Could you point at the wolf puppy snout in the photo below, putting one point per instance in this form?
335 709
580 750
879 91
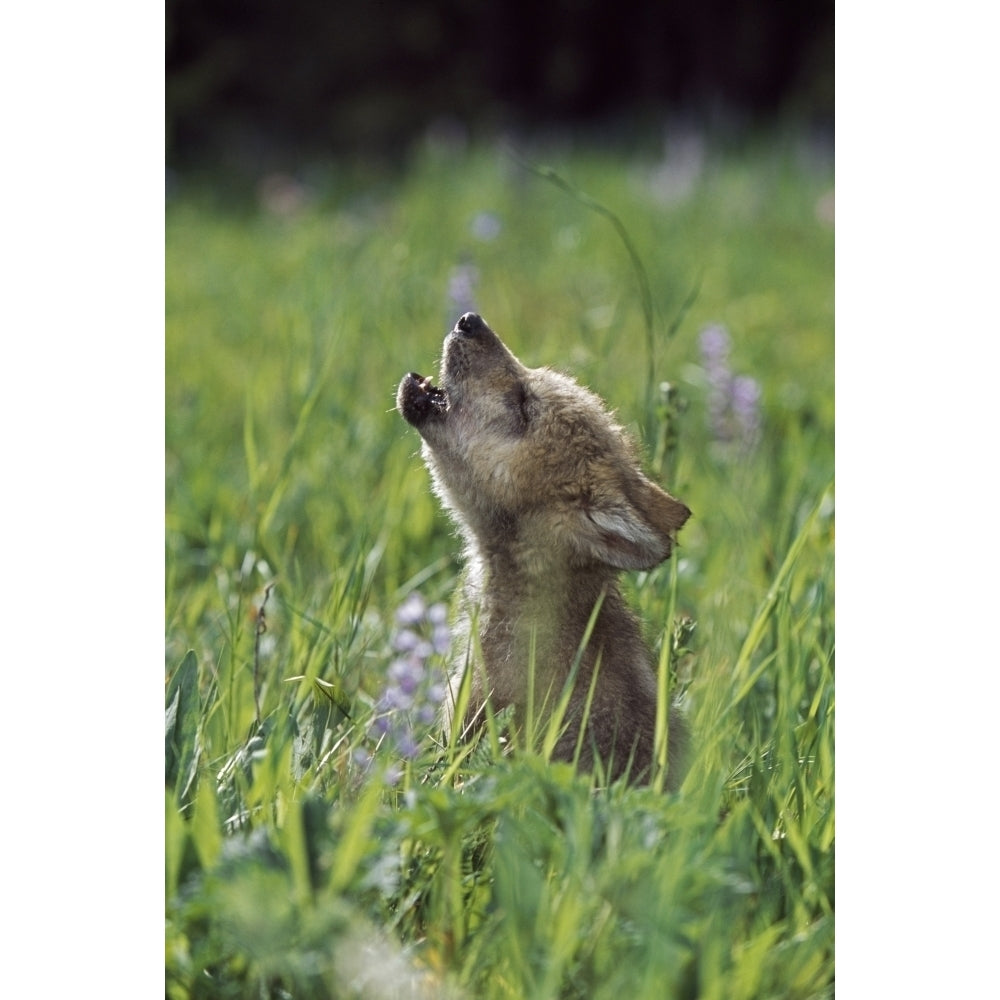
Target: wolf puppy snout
548 494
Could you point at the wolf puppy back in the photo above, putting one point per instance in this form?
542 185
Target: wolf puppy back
550 500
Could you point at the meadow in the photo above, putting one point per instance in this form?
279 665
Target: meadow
323 837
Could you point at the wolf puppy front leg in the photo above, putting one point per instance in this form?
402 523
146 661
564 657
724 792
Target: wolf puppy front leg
549 497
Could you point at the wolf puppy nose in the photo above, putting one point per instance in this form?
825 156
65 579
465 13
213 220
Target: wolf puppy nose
471 323
548 494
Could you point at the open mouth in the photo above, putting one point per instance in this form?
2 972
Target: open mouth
419 399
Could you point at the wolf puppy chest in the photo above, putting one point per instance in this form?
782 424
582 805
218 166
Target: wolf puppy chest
548 494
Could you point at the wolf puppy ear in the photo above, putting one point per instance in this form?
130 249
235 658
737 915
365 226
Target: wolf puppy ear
634 529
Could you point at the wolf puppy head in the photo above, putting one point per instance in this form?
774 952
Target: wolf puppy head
532 464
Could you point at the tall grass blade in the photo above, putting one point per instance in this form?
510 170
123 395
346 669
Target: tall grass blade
661 737
642 278
183 716
555 724
298 433
761 619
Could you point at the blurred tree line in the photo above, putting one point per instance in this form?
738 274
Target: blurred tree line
328 76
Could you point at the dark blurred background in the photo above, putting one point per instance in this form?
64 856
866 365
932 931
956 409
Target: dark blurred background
249 78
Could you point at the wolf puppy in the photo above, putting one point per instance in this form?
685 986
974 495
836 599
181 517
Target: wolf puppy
548 494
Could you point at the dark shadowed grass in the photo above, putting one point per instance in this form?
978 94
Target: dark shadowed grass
314 846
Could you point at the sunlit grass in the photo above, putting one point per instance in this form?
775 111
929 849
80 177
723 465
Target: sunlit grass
306 855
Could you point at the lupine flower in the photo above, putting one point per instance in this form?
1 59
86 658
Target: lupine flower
412 610
485 226
714 342
745 401
415 686
462 288
733 400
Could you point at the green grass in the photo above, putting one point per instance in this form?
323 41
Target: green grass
294 870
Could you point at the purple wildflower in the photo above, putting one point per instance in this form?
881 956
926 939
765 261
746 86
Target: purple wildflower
406 743
415 686
408 641
427 713
437 618
462 288
733 400
441 639
745 403
395 699
407 674
485 226
412 610
382 724
714 343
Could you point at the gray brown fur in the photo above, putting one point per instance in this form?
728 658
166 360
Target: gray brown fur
547 491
